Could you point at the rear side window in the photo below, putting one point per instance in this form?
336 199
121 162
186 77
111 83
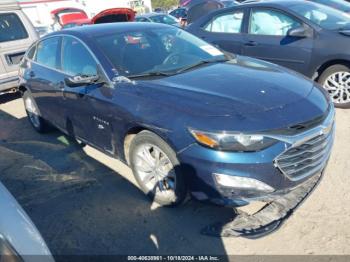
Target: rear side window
47 51
226 23
11 28
76 59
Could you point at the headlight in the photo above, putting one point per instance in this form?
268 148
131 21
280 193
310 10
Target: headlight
233 142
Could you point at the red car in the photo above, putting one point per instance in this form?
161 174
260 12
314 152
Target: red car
70 17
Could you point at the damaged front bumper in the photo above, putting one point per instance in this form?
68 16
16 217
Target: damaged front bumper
267 219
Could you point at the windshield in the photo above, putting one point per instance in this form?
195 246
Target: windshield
166 50
338 4
326 17
164 19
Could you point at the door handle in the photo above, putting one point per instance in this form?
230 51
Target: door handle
60 85
31 74
251 43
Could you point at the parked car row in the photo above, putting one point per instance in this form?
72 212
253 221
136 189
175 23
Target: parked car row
299 35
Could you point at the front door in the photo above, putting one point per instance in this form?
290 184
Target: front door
85 110
268 39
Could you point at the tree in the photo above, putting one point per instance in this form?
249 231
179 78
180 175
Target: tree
165 3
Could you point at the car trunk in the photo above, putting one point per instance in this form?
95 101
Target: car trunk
114 15
68 15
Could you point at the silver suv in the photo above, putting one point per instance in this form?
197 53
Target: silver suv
16 35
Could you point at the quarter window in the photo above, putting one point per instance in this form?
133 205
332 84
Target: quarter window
31 52
76 59
227 23
270 22
11 28
47 52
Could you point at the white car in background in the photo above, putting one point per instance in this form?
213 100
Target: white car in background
19 238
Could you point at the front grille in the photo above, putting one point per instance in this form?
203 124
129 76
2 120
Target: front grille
307 158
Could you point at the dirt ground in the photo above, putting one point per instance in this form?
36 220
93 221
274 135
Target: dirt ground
84 202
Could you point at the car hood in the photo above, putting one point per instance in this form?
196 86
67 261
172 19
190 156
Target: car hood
241 85
243 89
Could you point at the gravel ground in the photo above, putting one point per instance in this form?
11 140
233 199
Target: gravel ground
84 202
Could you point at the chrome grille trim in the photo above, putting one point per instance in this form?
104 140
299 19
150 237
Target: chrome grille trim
307 153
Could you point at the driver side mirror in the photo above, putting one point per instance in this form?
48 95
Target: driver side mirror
81 80
301 32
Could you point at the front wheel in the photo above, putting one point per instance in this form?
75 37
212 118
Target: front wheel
157 170
336 80
33 113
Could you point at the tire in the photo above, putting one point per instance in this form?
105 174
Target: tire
335 81
33 113
163 182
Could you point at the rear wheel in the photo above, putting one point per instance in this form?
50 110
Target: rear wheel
33 113
336 80
157 169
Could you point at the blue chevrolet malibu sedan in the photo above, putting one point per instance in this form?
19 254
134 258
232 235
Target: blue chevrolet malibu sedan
186 117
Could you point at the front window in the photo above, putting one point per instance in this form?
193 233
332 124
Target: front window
324 16
165 50
270 22
76 59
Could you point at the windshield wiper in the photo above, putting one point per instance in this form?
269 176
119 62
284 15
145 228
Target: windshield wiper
200 63
155 73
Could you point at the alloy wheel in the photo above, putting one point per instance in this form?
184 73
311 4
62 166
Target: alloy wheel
338 87
155 169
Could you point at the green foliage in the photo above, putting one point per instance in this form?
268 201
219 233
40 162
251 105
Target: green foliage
164 3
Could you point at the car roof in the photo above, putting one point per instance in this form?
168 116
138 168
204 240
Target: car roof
108 28
280 3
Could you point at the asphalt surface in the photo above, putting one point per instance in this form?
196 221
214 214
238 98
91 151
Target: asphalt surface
84 202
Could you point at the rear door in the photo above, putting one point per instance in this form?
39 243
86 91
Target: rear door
268 39
14 41
44 79
225 31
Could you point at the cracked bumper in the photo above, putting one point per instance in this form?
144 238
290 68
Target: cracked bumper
269 218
